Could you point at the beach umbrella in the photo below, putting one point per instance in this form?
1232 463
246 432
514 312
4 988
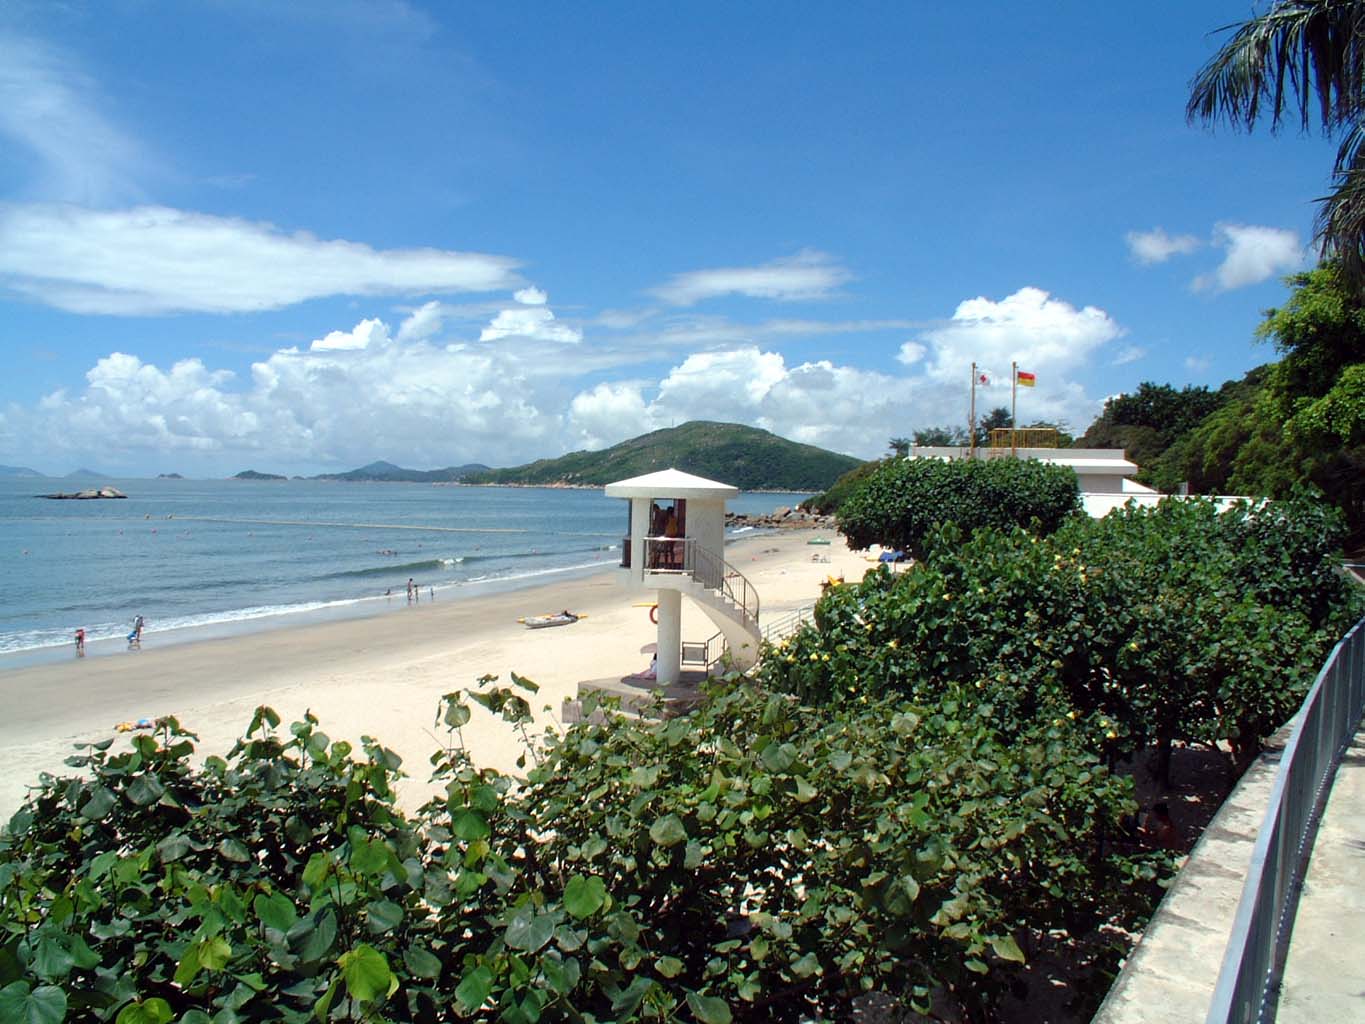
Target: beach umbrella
649 648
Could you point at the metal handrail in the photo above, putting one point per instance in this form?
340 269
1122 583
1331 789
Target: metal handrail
685 555
780 629
715 573
1324 726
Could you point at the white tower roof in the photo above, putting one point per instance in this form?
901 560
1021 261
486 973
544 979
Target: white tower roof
670 483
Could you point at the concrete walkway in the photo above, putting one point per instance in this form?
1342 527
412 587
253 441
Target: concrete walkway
1324 973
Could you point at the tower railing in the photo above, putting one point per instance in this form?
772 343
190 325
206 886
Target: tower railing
684 555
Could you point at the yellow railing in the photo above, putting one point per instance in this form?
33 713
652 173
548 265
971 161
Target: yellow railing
1023 437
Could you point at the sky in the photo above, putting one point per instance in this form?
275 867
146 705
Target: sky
301 237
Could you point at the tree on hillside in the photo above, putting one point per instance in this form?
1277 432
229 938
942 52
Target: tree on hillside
940 437
900 446
1302 59
994 420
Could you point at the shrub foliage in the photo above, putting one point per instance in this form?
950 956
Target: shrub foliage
903 500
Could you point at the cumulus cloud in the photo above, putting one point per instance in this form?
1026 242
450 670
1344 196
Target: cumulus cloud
153 259
1031 327
1156 246
532 320
346 401
364 334
807 275
1253 254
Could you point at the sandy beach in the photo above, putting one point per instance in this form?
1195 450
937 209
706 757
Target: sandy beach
381 676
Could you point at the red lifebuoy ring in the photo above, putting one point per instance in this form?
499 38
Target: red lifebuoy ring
654 614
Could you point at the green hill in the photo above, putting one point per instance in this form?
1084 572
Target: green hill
387 472
746 457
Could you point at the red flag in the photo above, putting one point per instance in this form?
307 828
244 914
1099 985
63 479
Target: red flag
1025 379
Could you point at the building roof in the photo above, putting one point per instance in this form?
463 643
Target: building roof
671 483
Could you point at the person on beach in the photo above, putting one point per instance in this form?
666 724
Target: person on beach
80 642
135 637
410 587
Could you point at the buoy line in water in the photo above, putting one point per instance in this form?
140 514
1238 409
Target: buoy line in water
379 526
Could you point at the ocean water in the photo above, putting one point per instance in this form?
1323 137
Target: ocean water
206 557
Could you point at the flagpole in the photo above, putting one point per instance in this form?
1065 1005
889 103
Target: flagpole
1014 408
971 416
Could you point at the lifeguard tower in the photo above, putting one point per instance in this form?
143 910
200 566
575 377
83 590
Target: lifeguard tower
674 546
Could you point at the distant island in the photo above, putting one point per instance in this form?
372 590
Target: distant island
746 457
251 474
169 476
19 471
387 472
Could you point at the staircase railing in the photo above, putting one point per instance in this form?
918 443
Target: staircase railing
714 573
685 555
781 628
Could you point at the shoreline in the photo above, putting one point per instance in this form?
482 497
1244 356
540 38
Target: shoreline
381 675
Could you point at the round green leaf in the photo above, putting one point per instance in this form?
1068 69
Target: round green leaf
383 915
474 989
708 1009
45 1004
145 789
584 896
152 1011
668 831
421 962
366 972
275 911
529 931
469 825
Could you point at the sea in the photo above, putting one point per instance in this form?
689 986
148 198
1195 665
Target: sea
208 558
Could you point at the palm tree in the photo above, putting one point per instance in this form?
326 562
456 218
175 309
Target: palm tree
1305 57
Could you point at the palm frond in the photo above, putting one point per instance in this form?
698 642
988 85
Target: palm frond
1340 222
1299 57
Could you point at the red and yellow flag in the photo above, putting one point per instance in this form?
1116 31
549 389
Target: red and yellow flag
1025 379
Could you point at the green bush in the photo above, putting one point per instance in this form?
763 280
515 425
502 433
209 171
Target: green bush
759 860
1151 625
903 500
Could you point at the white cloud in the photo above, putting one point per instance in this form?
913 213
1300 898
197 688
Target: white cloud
153 259
533 321
364 334
422 322
531 296
50 108
1129 354
1030 327
1197 363
1254 254
599 415
911 352
364 393
1156 246
807 275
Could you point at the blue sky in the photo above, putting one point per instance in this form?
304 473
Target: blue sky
298 237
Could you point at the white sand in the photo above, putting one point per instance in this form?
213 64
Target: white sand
381 676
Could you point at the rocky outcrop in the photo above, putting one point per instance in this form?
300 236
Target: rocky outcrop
781 519
87 495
